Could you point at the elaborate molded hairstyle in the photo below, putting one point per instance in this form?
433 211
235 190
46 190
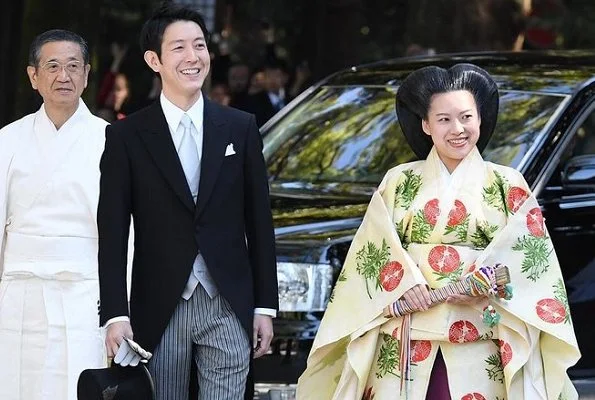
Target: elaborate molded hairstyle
416 91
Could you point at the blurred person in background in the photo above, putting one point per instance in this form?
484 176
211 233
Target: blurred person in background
267 102
114 90
220 94
238 81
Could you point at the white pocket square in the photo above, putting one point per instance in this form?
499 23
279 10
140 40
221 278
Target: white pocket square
229 151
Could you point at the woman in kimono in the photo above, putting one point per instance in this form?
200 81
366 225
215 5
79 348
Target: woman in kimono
430 223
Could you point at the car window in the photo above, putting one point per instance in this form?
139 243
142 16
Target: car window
351 134
582 143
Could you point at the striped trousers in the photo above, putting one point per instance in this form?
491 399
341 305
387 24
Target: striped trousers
204 330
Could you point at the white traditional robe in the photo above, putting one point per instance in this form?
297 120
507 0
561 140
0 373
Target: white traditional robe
49 290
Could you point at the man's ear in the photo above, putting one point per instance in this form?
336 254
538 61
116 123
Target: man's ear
32 72
152 60
87 70
425 126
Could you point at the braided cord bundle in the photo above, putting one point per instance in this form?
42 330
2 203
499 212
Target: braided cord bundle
485 281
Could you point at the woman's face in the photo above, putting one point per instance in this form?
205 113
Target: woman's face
453 123
120 91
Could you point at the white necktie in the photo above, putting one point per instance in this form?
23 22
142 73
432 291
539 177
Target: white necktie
190 159
188 154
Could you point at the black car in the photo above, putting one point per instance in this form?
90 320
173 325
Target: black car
329 148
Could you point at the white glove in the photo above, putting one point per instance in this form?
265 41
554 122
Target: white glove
130 354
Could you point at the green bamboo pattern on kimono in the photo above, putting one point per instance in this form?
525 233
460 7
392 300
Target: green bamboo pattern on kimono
494 194
495 369
388 361
370 259
424 221
504 197
535 246
560 295
484 234
421 229
400 228
406 191
342 278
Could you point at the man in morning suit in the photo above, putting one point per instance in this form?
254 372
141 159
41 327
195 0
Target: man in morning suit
192 176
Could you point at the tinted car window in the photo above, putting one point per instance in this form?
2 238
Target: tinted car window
351 134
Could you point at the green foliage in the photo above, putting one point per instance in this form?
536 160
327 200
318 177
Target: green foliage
388 357
560 295
536 253
495 370
421 229
370 259
495 194
484 234
460 230
408 189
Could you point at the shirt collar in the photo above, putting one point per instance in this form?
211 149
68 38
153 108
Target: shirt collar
173 114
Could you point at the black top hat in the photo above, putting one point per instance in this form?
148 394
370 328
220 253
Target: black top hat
116 383
416 91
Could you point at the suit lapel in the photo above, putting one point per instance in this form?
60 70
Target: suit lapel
215 140
157 137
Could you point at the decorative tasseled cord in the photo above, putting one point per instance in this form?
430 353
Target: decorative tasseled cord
405 356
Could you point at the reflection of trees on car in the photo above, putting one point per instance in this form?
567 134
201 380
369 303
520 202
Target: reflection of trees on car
363 139
350 134
522 117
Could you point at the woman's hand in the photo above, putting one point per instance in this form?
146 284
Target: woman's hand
467 300
418 297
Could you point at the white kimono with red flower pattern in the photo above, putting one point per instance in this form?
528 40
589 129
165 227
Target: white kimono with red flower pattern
426 226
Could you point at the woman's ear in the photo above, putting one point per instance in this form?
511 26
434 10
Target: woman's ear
425 126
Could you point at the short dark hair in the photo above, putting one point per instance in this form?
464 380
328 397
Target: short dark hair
151 35
56 35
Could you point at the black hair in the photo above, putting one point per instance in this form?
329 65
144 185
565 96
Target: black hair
56 35
151 36
415 95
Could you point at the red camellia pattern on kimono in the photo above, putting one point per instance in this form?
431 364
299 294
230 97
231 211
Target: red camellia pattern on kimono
457 214
420 350
391 275
551 311
515 197
432 211
444 259
535 222
505 352
473 396
462 331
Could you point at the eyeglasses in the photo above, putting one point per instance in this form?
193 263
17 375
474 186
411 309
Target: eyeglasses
71 67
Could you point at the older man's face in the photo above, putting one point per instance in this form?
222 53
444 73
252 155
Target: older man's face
60 75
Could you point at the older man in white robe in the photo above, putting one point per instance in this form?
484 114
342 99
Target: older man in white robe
49 189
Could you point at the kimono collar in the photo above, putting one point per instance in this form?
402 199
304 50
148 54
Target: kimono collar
468 166
46 123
